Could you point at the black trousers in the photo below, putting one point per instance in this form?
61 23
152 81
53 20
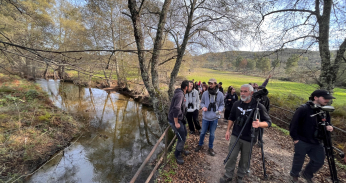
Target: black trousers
192 120
315 153
226 114
181 136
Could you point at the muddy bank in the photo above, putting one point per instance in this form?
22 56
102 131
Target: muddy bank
32 129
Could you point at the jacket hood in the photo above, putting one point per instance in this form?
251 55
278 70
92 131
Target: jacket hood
178 90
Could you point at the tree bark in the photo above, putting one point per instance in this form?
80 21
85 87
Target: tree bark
181 50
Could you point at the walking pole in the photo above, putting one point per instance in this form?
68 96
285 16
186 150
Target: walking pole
230 152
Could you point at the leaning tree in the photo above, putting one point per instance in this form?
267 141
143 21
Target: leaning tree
319 24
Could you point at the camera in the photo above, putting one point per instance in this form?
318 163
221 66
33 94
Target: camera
189 105
260 94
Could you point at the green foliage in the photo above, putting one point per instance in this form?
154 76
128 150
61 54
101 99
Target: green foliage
263 64
238 61
31 94
251 64
45 117
291 63
275 63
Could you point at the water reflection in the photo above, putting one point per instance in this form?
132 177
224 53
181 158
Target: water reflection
124 133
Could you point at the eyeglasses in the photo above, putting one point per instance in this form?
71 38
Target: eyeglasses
210 83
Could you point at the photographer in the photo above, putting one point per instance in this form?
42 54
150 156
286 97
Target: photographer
304 132
212 104
192 104
176 118
266 103
239 114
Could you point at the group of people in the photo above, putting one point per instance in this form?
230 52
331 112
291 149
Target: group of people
192 97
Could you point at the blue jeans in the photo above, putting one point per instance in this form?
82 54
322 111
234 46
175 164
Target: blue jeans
205 125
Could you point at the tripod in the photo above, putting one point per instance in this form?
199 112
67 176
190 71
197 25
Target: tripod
253 115
328 146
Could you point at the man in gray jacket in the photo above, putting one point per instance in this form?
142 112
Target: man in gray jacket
176 118
192 104
212 104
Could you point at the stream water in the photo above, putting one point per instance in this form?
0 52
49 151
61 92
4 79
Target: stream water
123 133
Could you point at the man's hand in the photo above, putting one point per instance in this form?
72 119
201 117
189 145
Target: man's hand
229 99
296 141
329 128
204 109
256 124
177 125
269 76
227 135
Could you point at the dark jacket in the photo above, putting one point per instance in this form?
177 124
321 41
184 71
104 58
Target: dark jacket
221 90
265 101
303 126
229 104
240 111
177 108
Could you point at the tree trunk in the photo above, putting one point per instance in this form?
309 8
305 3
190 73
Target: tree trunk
328 76
159 104
181 51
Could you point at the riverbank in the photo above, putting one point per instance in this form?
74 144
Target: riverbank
32 129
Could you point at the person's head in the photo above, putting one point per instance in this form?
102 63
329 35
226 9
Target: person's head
204 87
260 88
220 84
186 86
246 92
212 83
229 89
204 83
255 85
321 97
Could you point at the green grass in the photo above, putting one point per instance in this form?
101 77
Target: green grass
275 87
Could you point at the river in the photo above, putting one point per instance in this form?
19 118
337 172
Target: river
122 133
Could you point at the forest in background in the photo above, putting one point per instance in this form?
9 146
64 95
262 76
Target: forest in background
287 64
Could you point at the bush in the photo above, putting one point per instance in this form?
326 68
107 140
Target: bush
31 94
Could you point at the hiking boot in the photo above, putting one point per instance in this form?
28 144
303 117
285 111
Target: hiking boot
211 152
179 160
186 153
225 179
308 180
198 148
240 179
293 179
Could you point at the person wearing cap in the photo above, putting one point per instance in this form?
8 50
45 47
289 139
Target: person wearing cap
212 104
303 130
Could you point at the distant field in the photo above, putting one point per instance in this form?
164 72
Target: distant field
274 86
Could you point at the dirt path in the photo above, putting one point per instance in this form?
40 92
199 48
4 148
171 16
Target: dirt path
278 149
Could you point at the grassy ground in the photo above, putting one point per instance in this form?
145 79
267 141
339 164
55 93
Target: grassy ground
31 128
275 87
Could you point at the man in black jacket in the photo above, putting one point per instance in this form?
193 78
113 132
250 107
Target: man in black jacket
266 103
239 113
176 118
303 130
